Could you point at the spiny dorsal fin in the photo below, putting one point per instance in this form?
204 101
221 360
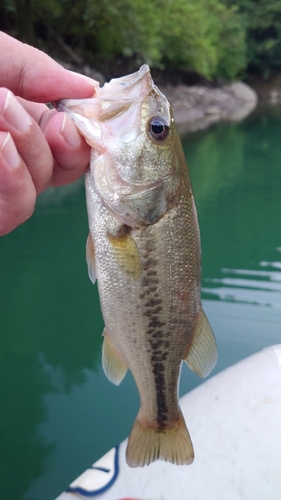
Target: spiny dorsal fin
149 443
202 355
90 257
114 368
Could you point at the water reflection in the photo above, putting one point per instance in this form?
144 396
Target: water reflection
46 307
78 425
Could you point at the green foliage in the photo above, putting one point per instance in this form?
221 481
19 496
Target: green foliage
126 27
232 52
190 37
202 36
262 20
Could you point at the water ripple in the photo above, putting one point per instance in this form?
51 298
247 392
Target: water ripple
260 287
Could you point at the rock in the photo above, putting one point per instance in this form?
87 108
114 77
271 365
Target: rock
243 91
242 112
198 107
213 110
274 95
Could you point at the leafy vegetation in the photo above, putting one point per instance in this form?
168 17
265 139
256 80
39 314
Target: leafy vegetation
262 22
217 39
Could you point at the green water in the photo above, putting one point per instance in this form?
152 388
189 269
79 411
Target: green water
58 411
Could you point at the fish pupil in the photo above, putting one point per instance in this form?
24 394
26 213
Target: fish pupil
158 129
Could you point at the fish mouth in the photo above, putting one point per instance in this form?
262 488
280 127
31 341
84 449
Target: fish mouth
127 84
128 89
120 94
114 98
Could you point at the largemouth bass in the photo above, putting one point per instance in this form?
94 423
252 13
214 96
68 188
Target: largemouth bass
144 251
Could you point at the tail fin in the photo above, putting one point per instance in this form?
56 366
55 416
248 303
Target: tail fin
147 444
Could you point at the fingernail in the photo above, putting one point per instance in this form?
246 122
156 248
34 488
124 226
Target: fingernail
15 114
87 79
9 151
70 133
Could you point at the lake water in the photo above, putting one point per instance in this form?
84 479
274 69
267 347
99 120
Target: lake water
58 412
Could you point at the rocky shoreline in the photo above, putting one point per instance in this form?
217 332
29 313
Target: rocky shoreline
198 107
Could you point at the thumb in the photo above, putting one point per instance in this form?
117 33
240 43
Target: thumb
33 75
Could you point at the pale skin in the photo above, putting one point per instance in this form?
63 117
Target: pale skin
38 147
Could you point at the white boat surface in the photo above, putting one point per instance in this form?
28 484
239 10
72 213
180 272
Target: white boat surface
234 419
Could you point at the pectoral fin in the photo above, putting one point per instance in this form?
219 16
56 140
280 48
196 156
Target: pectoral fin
202 355
114 368
90 257
126 253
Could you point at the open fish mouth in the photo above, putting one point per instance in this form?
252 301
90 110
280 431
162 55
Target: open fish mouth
121 96
126 86
115 97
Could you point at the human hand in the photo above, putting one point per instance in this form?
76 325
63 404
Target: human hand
39 147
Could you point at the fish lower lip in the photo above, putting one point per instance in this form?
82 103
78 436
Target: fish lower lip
59 105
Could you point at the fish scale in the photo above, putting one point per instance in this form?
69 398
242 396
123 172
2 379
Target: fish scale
167 330
144 251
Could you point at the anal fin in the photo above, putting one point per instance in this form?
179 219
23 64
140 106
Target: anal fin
114 368
202 355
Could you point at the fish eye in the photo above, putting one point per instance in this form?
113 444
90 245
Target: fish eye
158 128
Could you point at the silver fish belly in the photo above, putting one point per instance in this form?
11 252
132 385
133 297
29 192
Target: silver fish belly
144 251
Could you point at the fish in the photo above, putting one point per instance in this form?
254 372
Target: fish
144 251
